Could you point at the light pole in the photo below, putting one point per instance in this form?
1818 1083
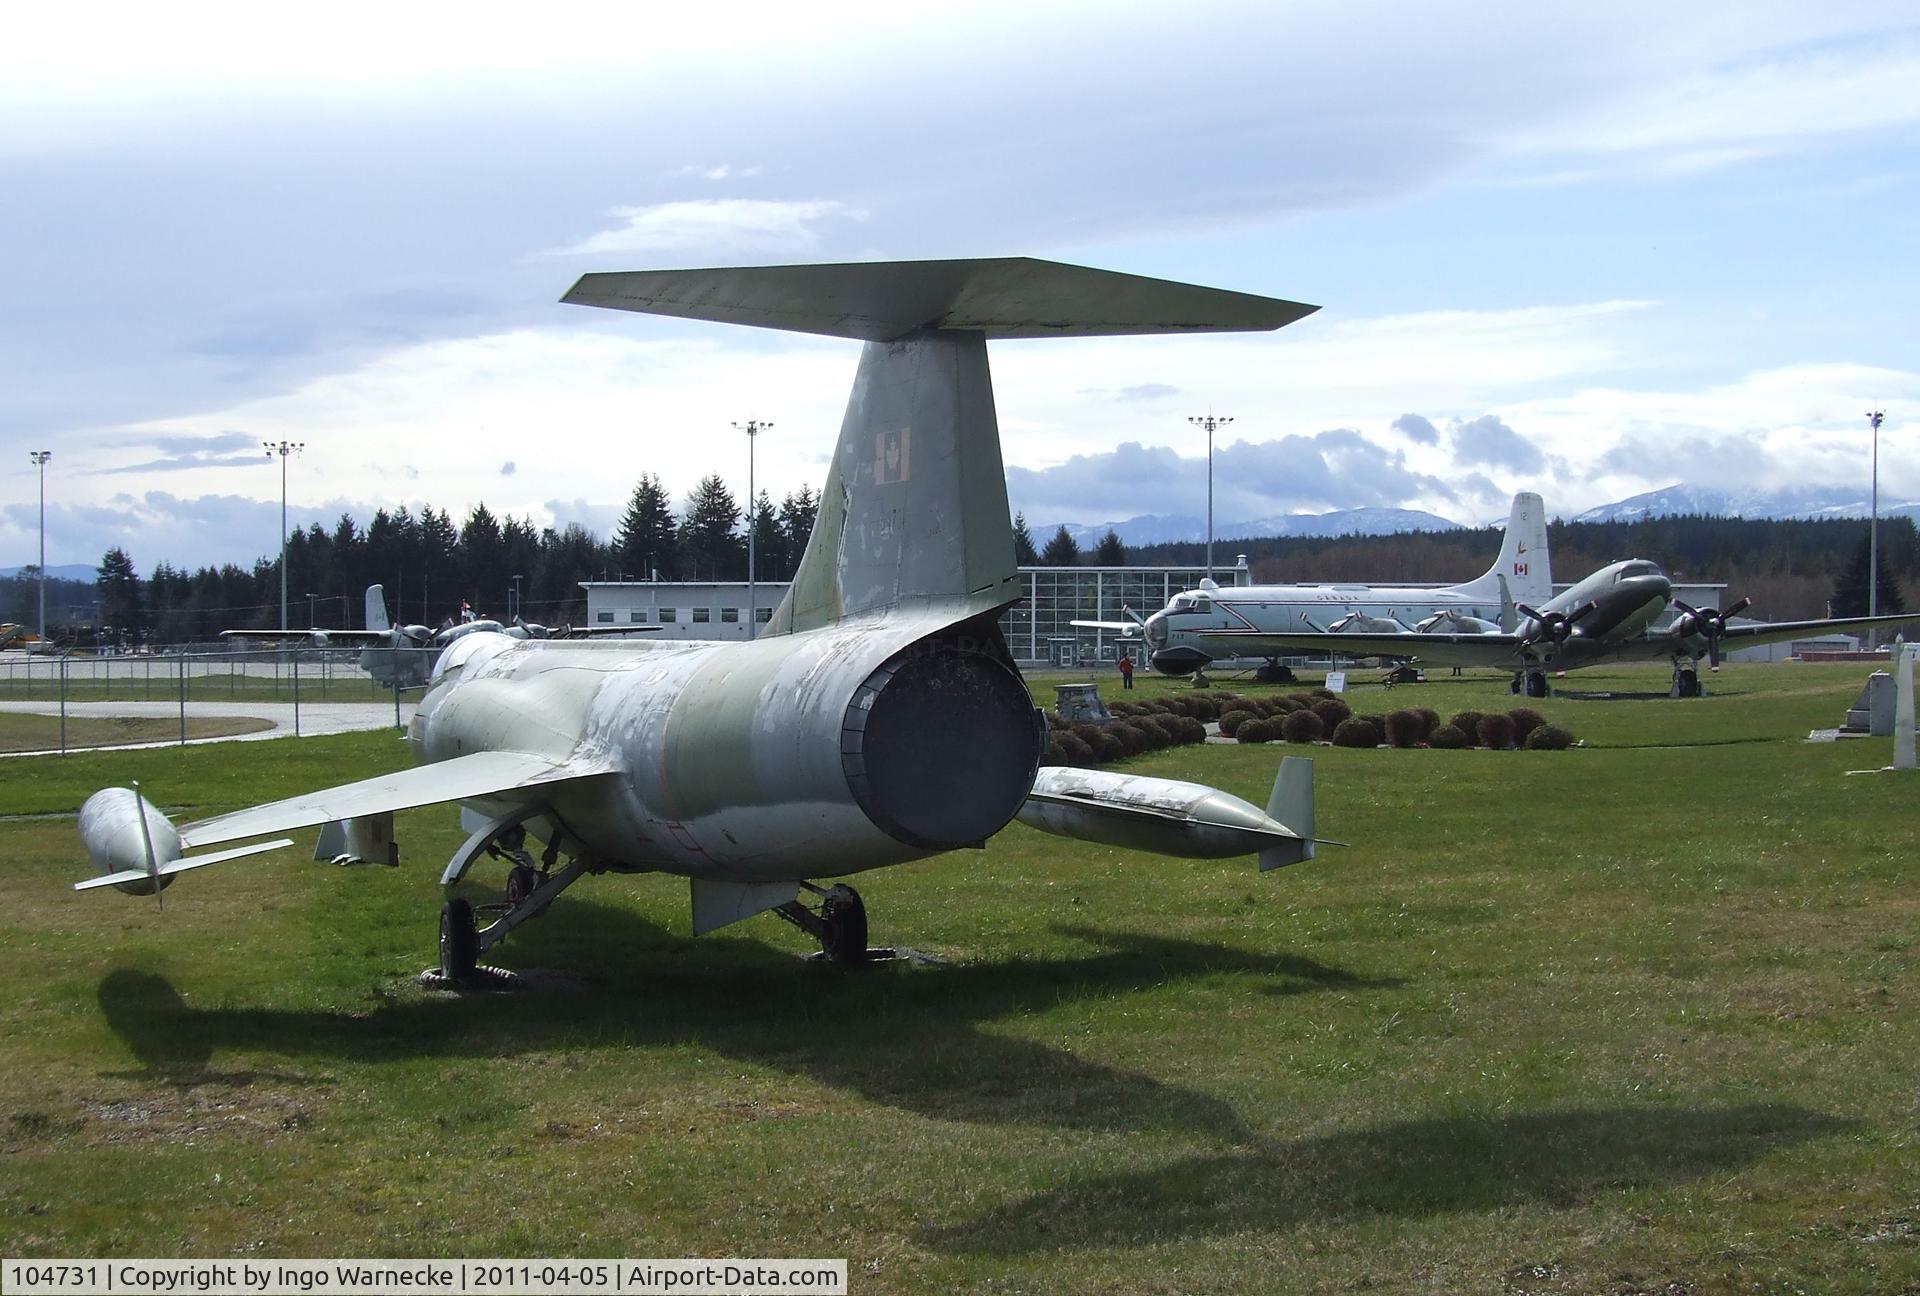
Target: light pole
1209 422
40 458
753 428
283 449
514 603
1873 527
313 612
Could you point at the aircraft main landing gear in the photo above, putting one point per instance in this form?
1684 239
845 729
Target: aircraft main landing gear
1686 681
840 924
1531 682
459 942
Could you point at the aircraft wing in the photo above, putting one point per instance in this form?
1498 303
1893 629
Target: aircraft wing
595 631
481 774
1129 626
319 637
1441 649
1752 636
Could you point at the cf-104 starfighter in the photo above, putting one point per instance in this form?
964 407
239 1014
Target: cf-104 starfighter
1608 616
878 719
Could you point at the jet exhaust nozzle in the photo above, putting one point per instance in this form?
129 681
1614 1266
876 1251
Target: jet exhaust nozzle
124 833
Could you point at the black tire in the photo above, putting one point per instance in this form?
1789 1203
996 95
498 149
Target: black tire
845 940
1536 686
1687 685
459 942
521 882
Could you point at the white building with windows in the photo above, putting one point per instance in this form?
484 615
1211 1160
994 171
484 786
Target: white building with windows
682 609
1038 628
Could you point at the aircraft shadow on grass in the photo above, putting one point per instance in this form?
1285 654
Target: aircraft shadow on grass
906 1037
1410 1168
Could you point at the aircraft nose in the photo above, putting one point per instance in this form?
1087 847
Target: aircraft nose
1156 631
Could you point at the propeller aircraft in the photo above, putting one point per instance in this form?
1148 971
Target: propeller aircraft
1609 616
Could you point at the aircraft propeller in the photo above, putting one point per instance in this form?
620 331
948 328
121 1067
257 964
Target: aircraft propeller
1708 623
1553 627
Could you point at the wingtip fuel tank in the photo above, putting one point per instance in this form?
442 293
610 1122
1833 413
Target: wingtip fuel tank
118 841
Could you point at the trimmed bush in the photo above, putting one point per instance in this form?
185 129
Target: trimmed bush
1468 723
1302 727
1496 731
1056 754
1448 737
1331 711
1429 721
1405 728
1356 731
1112 746
1549 738
1322 692
1525 721
1192 731
1255 731
1232 720
1152 736
1078 753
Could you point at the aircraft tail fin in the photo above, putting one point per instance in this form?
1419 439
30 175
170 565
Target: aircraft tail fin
1522 573
377 608
915 506
1292 804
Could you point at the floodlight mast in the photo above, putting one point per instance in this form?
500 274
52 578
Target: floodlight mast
753 428
1874 418
40 458
283 449
1209 422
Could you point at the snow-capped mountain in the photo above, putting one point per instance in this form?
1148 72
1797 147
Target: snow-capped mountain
1155 528
1800 502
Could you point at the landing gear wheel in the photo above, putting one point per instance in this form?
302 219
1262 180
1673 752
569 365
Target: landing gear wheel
459 942
1686 684
1536 685
521 880
845 917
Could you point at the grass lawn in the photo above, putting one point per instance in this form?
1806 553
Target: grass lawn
1637 1016
24 733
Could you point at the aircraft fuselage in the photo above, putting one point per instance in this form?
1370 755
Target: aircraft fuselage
815 754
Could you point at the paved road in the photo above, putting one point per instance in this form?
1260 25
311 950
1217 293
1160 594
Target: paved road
315 717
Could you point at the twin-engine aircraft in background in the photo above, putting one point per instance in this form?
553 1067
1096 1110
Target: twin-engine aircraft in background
402 656
879 718
1187 635
1606 617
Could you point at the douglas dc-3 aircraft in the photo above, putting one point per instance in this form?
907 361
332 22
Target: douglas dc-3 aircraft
878 719
1608 615
1182 637
403 656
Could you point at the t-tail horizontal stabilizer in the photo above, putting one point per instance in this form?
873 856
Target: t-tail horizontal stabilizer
1169 817
914 511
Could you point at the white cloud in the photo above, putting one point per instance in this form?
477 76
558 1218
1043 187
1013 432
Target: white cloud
720 224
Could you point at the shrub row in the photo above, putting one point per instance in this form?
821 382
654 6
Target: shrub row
1300 718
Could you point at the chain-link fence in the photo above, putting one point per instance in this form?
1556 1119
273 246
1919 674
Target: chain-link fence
294 677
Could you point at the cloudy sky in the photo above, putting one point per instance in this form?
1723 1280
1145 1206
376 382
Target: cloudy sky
1589 250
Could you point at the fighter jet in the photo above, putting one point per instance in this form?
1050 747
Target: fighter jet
879 718
1198 627
1608 616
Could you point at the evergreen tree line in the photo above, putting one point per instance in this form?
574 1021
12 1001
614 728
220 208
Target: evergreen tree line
429 566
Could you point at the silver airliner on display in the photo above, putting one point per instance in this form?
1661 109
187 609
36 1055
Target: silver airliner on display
1186 635
1608 616
878 719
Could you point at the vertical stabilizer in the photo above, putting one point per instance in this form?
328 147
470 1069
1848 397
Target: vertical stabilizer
1522 573
377 608
1291 804
915 505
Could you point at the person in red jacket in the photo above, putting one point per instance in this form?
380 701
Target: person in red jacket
1126 671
